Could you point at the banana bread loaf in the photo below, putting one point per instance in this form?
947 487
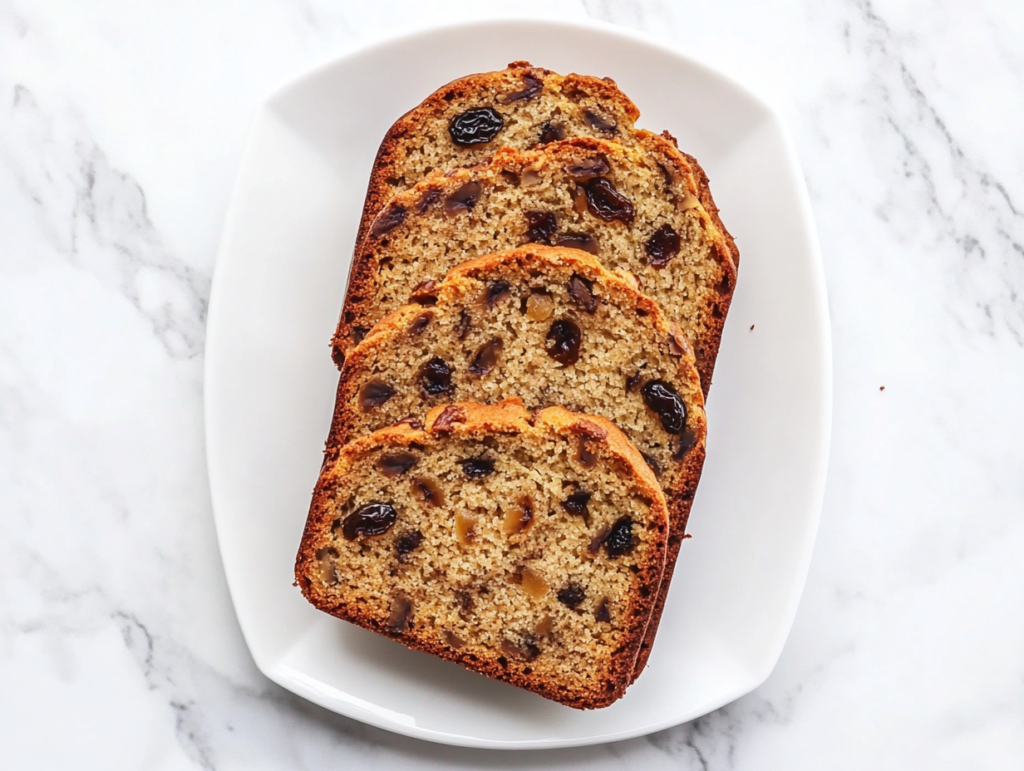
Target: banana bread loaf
484 539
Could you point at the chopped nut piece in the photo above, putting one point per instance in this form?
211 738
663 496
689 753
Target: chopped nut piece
326 559
465 528
544 627
428 491
518 518
534 584
401 612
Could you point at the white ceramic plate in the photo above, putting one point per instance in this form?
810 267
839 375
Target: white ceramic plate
270 383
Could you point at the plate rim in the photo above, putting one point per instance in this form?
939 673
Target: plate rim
824 376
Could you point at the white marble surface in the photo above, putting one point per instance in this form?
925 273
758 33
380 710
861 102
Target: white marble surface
120 133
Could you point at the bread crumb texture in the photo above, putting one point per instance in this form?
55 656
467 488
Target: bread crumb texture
490 541
492 329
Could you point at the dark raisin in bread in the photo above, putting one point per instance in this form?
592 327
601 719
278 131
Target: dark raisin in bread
468 119
637 208
484 539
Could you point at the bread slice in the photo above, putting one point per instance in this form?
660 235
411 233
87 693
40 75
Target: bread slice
484 539
465 121
551 326
636 207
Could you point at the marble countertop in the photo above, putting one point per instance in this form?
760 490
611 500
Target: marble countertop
121 129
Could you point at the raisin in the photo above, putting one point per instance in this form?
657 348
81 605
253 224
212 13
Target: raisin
411 421
580 241
580 290
463 199
652 463
576 504
531 87
664 400
563 342
530 177
539 306
475 127
619 540
408 542
452 640
588 169
579 199
496 292
397 464
585 456
477 468
571 595
401 612
370 519
540 226
465 322
423 293
526 650
589 428
428 491
551 132
603 613
686 442
374 394
427 200
599 122
606 203
387 220
445 422
436 377
662 246
420 323
487 357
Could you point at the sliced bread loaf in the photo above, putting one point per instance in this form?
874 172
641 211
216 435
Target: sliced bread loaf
465 121
484 539
551 326
637 208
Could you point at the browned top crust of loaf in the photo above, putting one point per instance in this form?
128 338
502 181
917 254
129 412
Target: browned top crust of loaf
662 232
530 101
589 670
461 297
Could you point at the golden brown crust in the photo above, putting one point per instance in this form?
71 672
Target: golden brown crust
702 317
472 420
388 175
